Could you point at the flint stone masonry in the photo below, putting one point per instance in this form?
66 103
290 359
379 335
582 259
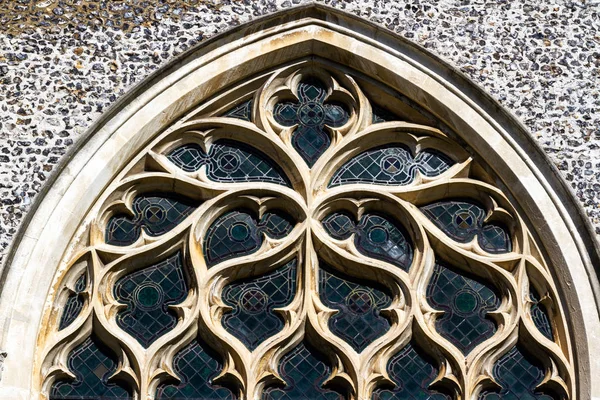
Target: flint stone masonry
63 62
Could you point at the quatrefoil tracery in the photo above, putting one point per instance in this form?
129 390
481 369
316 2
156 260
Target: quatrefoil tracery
361 229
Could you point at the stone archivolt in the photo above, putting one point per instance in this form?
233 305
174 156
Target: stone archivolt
314 217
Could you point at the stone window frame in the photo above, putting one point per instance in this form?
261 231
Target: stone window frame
311 33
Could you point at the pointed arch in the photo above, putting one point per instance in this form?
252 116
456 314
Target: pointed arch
52 249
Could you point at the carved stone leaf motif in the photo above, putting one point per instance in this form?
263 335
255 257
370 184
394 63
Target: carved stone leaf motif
301 243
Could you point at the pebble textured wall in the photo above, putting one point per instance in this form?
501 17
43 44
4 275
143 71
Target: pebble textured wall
63 62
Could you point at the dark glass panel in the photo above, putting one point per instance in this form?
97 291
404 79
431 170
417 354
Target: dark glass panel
311 114
189 157
380 238
393 165
466 303
412 371
240 111
237 233
376 236
382 115
519 375
74 303
229 162
358 320
148 293
196 365
304 371
252 319
232 162
93 364
462 220
539 314
156 213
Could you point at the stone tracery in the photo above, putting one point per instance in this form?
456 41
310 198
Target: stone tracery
371 220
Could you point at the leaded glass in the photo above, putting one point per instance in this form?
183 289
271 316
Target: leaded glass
93 365
237 233
465 302
157 214
229 162
376 236
353 259
148 293
74 303
311 114
413 372
462 220
196 365
241 111
519 375
358 320
539 314
252 318
390 165
304 371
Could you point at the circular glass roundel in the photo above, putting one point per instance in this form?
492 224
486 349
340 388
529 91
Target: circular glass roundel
311 114
359 301
148 296
239 232
465 219
393 165
378 235
465 302
155 214
254 301
229 162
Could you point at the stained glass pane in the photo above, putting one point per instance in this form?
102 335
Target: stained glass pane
519 375
229 162
359 303
539 314
462 220
311 114
304 371
157 214
148 293
74 303
196 365
376 236
412 371
252 318
241 111
393 165
93 364
237 233
465 303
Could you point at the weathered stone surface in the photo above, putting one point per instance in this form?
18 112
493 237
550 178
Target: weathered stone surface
63 62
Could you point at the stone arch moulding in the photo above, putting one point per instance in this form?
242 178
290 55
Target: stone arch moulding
266 56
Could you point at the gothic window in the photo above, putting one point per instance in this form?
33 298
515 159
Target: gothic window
302 242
